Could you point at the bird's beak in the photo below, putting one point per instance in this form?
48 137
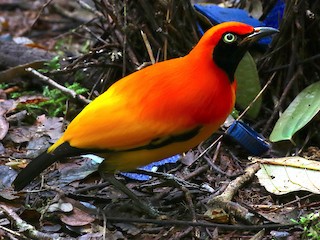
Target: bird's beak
258 32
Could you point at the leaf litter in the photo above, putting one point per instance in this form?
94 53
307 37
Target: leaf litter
71 200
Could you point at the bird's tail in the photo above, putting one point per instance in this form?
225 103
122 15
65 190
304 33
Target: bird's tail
33 169
56 152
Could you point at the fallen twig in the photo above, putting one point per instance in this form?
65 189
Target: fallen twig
30 231
199 224
54 84
224 200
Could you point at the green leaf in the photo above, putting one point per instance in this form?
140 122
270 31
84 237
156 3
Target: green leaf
300 112
53 64
248 85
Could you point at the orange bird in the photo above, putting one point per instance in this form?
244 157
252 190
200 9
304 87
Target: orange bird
159 111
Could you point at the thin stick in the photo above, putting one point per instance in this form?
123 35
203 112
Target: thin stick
12 232
148 47
210 147
63 89
200 224
89 8
258 95
29 230
124 57
282 99
40 12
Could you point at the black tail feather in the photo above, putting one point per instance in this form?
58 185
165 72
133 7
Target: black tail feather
44 160
34 168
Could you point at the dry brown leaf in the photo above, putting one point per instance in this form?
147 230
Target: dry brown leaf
77 218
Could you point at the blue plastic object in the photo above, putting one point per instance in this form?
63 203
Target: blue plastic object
218 15
248 138
150 167
96 160
275 15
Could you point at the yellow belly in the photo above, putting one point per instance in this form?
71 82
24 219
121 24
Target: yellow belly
130 160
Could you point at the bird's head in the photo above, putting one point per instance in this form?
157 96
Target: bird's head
228 42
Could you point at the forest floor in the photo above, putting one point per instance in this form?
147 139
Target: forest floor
214 194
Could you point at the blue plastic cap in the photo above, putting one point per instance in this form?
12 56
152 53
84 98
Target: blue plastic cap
248 138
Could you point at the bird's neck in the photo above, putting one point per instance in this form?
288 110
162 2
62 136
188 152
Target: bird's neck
215 90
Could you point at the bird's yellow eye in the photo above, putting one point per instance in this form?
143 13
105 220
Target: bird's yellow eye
229 38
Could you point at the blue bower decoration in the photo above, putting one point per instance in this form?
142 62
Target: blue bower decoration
150 167
218 15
